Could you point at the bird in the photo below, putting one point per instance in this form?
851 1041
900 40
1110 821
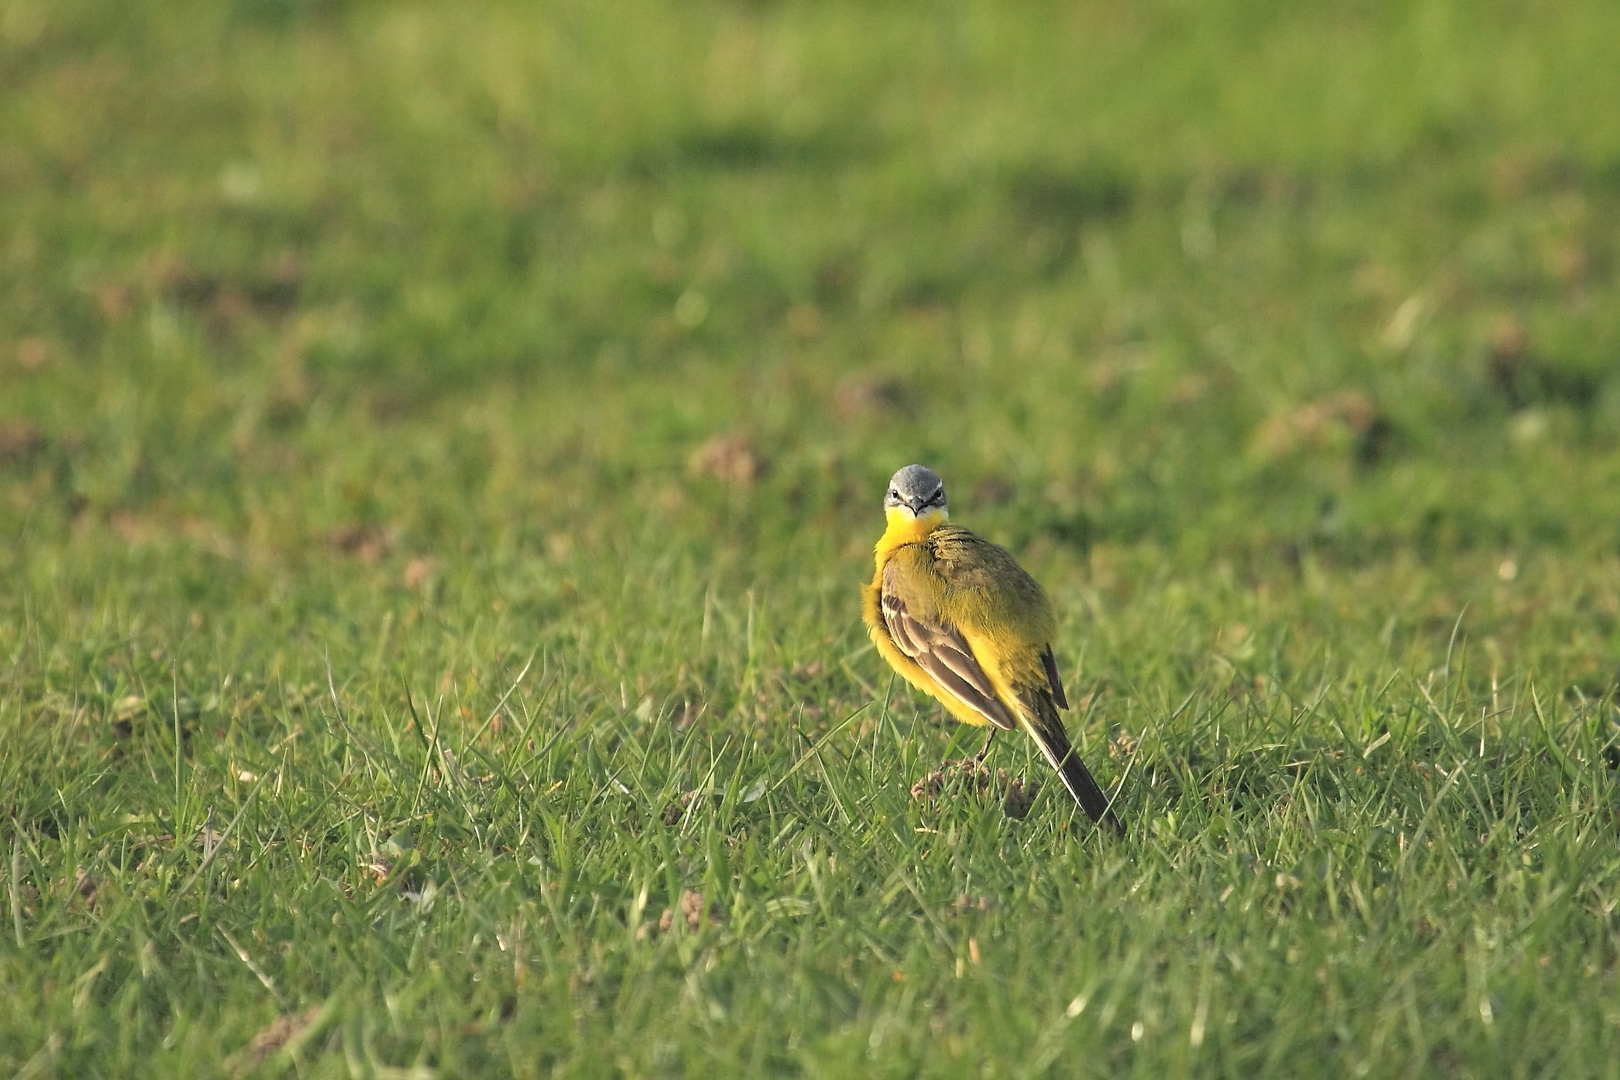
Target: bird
959 619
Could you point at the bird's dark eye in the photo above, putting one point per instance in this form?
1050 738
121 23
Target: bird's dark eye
893 494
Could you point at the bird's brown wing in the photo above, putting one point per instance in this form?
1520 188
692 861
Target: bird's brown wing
941 651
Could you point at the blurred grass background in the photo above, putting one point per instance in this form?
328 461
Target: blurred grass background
1280 343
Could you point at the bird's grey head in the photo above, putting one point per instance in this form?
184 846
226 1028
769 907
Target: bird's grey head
916 489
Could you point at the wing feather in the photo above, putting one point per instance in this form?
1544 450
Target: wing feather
941 651
1050 663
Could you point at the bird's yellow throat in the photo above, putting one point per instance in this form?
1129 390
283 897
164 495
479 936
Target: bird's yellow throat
902 529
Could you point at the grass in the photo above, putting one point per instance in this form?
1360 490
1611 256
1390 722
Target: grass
440 445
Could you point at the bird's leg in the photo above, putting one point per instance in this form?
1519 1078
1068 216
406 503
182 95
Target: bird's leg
978 758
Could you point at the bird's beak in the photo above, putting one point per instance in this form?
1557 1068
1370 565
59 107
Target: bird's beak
915 506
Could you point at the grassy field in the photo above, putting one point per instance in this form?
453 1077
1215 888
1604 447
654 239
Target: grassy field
440 445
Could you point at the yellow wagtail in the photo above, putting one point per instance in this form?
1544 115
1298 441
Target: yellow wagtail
962 621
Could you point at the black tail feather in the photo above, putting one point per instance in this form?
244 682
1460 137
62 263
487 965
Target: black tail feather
1047 728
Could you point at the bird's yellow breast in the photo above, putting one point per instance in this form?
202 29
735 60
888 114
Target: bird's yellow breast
901 529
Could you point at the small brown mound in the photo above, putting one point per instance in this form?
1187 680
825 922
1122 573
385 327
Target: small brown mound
694 910
975 778
731 459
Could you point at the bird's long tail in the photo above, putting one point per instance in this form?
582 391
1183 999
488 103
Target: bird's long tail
1046 726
